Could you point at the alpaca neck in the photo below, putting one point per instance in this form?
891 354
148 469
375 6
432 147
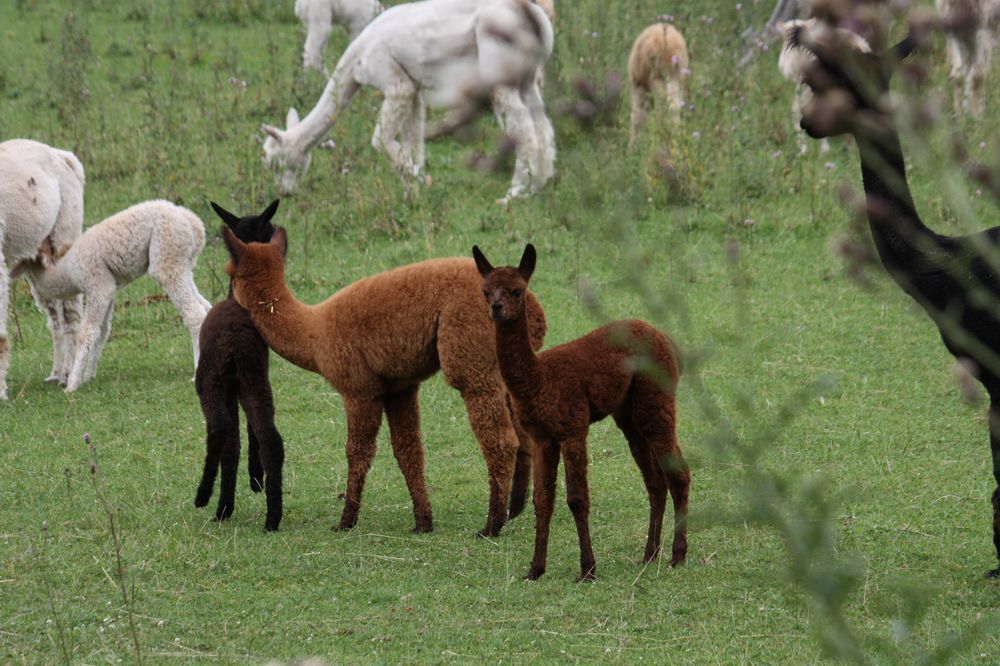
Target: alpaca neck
285 323
519 366
905 246
55 282
338 92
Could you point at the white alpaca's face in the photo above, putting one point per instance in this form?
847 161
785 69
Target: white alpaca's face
288 166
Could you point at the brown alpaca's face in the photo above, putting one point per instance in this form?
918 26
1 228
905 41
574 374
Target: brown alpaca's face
504 290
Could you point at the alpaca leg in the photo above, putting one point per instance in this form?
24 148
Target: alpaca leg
521 128
91 370
674 99
492 426
656 487
522 467
184 295
994 421
72 314
393 120
641 103
100 298
364 416
229 461
53 310
574 453
4 342
403 413
654 415
545 456
413 134
543 167
255 466
317 33
257 402
219 427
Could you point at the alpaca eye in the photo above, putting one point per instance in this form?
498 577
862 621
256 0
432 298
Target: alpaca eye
517 292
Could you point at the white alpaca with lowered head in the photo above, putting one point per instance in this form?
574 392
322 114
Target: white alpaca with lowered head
41 203
154 237
444 50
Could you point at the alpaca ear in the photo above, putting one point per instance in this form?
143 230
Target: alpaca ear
292 119
271 131
482 263
235 246
269 211
280 239
227 217
903 49
527 265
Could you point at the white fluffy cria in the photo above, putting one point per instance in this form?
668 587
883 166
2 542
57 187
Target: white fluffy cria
154 237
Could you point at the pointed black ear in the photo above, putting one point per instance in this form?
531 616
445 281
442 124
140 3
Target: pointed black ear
482 263
903 49
527 265
280 238
269 211
227 217
235 246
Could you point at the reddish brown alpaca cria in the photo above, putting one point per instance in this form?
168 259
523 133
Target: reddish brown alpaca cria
557 395
375 341
233 371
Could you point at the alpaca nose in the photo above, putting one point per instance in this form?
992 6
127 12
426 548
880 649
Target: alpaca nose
496 307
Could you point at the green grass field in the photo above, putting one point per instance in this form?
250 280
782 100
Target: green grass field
810 402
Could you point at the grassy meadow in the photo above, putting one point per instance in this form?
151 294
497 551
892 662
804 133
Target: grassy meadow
840 484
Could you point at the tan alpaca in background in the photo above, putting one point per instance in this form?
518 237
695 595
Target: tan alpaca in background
657 67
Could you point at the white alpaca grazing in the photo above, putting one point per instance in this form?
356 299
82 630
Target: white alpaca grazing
41 203
970 47
154 237
792 63
444 49
657 67
318 17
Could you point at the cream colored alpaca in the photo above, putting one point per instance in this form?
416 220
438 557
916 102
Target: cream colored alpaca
792 63
318 17
970 48
657 67
441 49
41 203
375 341
154 237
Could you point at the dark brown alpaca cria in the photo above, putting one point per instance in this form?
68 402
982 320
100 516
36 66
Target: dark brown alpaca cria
954 278
233 371
557 395
375 341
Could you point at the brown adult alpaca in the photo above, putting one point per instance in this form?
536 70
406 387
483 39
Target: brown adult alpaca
560 392
233 371
375 341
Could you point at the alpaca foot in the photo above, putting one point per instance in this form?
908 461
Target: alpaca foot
345 525
489 532
202 496
588 576
256 484
54 379
649 556
223 511
422 529
516 507
678 559
271 523
993 573
534 573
